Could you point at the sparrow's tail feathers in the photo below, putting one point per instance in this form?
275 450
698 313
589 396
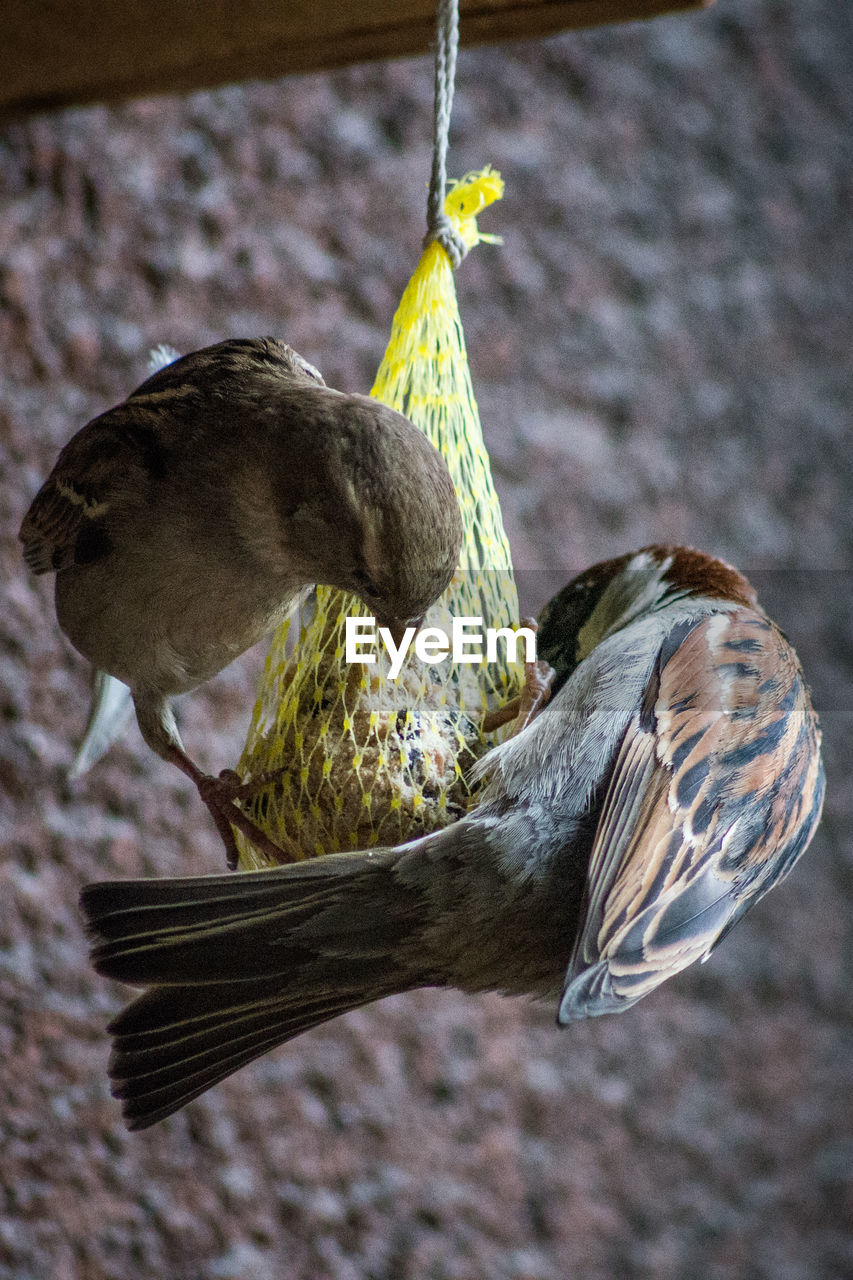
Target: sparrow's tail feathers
175 1042
239 964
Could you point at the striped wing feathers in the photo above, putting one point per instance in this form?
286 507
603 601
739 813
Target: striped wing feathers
107 463
715 792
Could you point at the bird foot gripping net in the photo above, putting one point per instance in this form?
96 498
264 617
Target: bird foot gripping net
361 758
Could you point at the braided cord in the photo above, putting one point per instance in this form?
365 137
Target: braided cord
439 226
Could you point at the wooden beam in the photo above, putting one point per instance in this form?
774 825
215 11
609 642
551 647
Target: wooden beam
56 53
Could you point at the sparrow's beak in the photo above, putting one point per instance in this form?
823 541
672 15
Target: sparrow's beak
398 628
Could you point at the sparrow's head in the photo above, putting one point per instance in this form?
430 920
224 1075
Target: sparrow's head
368 504
614 593
408 526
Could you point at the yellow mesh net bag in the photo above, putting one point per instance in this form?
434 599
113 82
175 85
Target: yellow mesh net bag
362 758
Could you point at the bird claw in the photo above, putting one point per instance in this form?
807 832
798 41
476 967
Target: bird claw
220 796
231 777
236 788
538 678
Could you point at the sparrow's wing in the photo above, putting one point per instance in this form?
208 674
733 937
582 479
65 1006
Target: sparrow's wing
110 462
716 791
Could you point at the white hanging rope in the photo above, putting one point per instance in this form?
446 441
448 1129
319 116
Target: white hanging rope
439 226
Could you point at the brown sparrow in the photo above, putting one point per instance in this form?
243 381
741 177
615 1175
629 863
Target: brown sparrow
673 779
185 524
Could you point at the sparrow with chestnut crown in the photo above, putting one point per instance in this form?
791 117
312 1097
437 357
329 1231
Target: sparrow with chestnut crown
673 779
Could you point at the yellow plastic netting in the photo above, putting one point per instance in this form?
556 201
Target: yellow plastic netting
367 759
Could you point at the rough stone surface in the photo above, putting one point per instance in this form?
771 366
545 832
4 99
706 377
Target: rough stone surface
661 350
